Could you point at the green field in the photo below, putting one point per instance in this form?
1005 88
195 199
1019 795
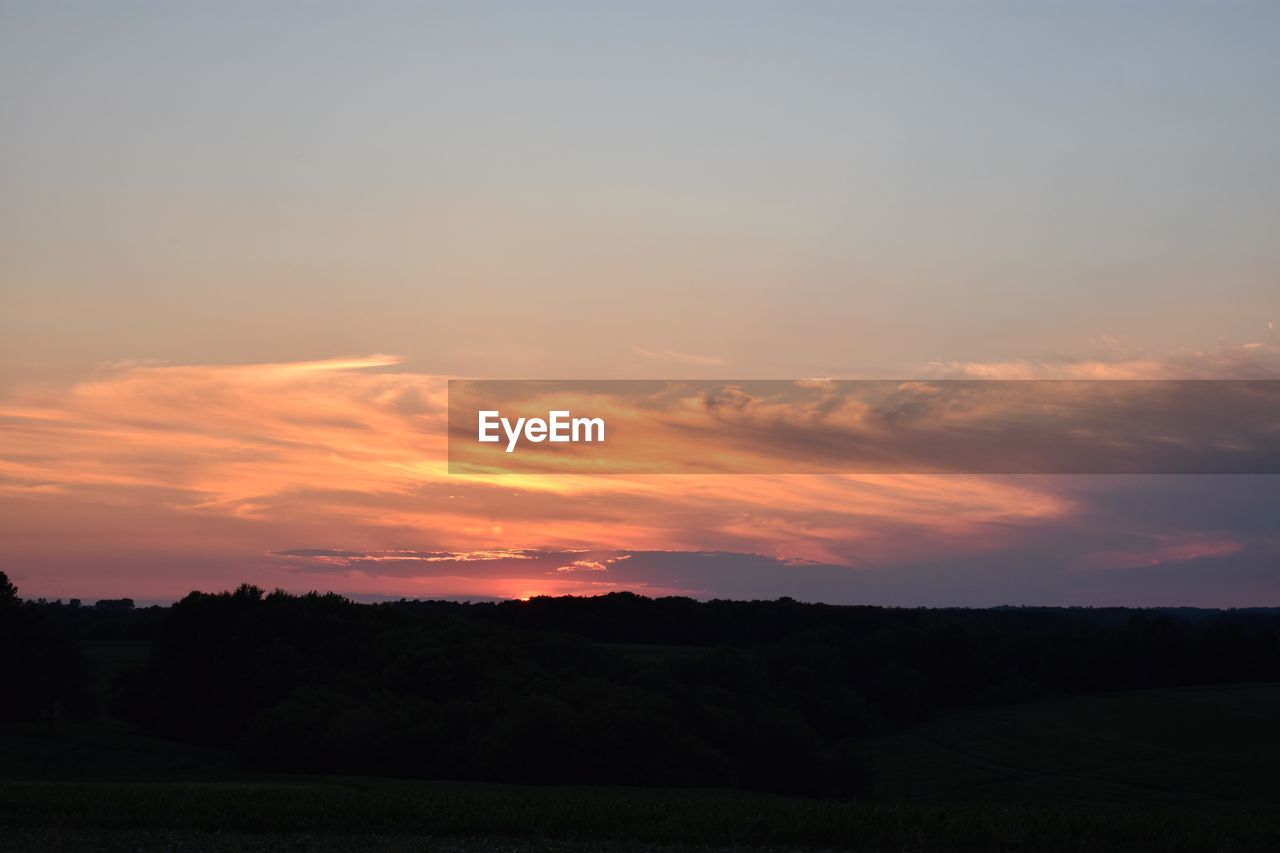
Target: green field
357 813
1211 747
1186 769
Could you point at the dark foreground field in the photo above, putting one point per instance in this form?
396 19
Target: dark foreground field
1180 769
336 814
249 721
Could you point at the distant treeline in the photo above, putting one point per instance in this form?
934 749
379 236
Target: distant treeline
767 695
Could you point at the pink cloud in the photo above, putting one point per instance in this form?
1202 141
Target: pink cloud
149 480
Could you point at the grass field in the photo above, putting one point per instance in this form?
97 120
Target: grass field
1213 747
103 814
1186 769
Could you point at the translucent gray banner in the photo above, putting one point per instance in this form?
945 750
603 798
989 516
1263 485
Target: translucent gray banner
864 426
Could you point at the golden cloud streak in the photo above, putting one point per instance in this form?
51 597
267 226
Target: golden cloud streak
358 447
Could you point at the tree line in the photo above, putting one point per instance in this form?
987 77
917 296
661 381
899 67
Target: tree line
617 689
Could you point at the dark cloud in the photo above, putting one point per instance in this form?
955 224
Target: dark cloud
364 559
1055 567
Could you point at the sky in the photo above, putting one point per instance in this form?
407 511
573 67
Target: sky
243 247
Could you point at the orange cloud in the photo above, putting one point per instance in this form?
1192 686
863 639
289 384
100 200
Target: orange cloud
351 453
1257 360
164 478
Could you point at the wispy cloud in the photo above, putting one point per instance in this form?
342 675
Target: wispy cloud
1255 360
163 478
681 357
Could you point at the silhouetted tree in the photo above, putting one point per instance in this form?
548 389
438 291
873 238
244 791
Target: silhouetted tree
622 689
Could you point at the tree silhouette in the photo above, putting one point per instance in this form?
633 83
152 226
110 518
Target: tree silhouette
8 592
617 689
43 666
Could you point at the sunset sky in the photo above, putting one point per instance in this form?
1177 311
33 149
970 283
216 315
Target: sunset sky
244 246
